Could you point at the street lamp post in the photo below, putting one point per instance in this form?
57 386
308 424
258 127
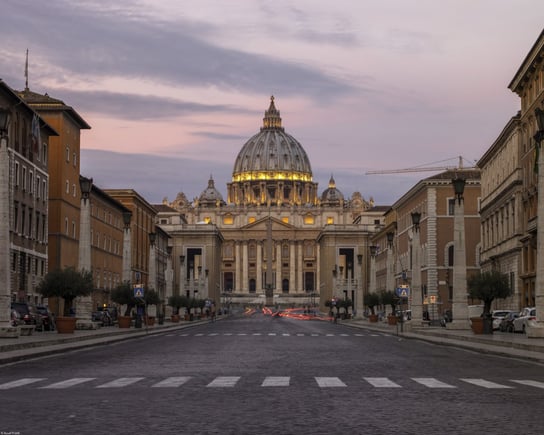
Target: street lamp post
84 304
416 307
459 302
127 256
538 330
390 277
152 267
6 329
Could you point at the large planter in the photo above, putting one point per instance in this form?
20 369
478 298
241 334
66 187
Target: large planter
477 325
65 325
391 320
150 321
124 321
373 318
175 318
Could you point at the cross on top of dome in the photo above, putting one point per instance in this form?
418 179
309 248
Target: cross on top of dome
272 119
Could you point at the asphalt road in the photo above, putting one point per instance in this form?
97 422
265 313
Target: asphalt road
262 375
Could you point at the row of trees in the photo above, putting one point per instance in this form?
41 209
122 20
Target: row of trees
179 301
486 287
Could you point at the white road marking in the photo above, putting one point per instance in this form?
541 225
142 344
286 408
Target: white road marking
68 383
276 381
172 382
484 383
326 382
382 383
121 382
20 383
224 381
433 383
536 384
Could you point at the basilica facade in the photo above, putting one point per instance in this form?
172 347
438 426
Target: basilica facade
275 239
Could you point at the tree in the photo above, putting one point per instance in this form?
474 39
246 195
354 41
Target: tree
67 284
177 301
151 297
371 300
488 286
123 294
389 297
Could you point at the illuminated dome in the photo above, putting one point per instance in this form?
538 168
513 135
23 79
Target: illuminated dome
272 167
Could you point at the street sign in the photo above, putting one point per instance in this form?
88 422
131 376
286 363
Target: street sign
138 291
403 291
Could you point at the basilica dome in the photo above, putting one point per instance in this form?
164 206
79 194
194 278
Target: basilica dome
272 167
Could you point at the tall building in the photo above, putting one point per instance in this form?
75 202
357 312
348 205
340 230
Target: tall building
274 239
24 184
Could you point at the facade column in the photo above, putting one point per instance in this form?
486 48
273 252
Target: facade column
318 269
416 306
245 264
259 278
127 249
538 330
359 303
182 277
6 330
278 268
83 304
459 302
152 267
237 274
169 280
292 267
299 288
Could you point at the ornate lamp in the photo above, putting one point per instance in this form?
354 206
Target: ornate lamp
373 250
152 238
416 218
459 188
127 216
85 184
390 236
4 120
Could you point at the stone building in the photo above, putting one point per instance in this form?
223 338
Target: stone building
274 239
24 186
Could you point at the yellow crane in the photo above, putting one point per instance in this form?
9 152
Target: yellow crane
423 168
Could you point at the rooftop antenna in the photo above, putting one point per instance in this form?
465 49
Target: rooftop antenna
26 71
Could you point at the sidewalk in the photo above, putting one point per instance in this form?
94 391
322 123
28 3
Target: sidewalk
499 343
50 342
47 343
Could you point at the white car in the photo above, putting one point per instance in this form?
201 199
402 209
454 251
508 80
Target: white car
526 317
498 315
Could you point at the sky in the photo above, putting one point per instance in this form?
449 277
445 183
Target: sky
174 88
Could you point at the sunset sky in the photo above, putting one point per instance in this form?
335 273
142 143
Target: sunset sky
173 88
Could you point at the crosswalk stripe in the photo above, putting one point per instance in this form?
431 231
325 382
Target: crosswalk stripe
199 335
382 383
227 333
286 335
300 335
213 334
326 382
20 383
272 333
173 382
257 333
68 383
121 382
433 383
315 335
241 333
484 383
536 384
276 381
224 381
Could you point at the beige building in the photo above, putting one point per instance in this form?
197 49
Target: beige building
433 198
275 240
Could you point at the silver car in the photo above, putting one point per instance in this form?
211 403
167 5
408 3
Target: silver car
526 318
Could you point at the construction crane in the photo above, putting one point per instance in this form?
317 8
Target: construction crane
424 168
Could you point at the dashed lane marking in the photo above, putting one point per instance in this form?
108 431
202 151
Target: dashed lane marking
20 383
484 383
276 381
121 382
382 383
326 382
536 384
172 382
68 383
224 382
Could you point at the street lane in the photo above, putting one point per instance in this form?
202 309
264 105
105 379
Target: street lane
260 374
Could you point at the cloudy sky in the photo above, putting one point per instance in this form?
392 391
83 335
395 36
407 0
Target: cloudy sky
174 88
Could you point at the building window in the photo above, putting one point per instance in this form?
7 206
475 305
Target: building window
207 219
31 182
73 229
16 174
451 206
67 154
38 186
285 219
285 285
16 217
330 220
67 186
309 219
24 178
228 219
44 153
251 219
74 159
66 226
309 282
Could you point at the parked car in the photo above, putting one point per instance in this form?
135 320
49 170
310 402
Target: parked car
29 314
16 318
497 316
507 323
47 318
526 317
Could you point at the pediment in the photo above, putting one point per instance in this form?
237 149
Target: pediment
261 225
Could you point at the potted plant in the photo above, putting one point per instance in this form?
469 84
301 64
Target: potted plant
389 297
176 302
487 286
66 284
371 300
123 294
151 300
